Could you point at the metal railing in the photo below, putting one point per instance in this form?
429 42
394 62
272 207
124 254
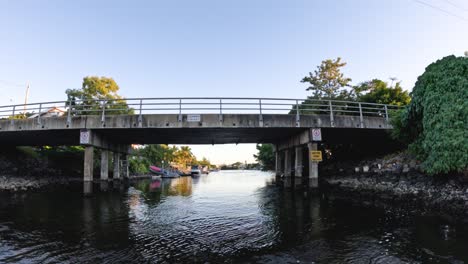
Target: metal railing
195 105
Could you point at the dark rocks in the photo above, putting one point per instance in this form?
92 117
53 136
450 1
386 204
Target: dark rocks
15 183
398 178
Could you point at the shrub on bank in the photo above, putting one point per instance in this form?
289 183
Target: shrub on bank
435 123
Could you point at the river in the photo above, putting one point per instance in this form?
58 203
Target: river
224 217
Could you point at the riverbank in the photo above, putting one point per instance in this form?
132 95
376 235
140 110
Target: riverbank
398 179
29 183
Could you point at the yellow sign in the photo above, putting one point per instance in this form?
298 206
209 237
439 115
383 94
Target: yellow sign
316 155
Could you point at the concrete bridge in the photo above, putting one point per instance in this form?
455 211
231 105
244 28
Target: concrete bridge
110 126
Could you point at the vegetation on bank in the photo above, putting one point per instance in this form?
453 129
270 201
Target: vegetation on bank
435 124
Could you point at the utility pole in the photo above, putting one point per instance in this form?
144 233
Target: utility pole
392 79
26 99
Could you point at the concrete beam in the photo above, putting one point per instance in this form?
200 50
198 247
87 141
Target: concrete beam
95 139
313 167
296 140
88 164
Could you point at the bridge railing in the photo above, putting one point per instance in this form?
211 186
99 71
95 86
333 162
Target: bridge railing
195 105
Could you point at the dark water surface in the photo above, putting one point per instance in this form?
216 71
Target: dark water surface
229 216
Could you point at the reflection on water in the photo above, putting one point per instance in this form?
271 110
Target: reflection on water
230 216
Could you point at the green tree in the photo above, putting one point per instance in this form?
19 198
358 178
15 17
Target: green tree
378 91
435 122
265 156
205 162
95 93
328 81
184 156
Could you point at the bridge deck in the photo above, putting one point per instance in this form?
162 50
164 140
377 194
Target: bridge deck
170 129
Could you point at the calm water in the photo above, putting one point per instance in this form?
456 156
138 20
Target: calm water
230 216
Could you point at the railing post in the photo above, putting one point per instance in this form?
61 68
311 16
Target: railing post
386 114
220 110
140 117
69 113
332 121
260 118
298 117
39 116
180 110
103 116
361 119
13 115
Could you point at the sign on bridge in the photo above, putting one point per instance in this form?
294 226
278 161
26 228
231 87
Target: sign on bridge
316 155
193 118
85 136
316 134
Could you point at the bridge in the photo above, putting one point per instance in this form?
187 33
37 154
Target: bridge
112 125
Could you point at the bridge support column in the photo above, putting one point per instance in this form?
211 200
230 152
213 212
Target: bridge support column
298 166
287 168
104 165
88 164
277 165
116 166
313 167
125 167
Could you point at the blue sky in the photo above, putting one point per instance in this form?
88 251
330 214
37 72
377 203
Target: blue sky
218 48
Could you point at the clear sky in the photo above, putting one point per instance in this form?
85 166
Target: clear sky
244 48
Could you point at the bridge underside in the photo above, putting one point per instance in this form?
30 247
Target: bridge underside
291 135
187 136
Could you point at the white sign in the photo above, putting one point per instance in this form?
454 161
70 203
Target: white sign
85 136
316 134
193 118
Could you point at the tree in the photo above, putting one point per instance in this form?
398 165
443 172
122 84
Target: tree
327 81
378 91
265 156
205 162
184 156
435 121
95 93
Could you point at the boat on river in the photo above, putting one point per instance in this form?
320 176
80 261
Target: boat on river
164 173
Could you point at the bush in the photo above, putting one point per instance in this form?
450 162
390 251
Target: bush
435 122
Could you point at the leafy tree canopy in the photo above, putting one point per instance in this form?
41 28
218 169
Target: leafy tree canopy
265 156
97 88
378 91
328 80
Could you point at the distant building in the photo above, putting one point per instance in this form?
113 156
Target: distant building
51 112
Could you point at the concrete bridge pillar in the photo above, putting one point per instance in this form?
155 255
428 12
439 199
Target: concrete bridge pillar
125 167
287 169
88 164
116 166
298 166
277 164
104 165
313 167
